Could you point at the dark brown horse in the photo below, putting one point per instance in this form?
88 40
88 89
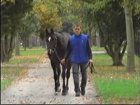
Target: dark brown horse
56 47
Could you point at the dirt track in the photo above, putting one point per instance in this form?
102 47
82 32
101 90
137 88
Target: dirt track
38 88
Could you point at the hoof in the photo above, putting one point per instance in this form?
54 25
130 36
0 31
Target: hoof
56 93
59 89
67 89
64 93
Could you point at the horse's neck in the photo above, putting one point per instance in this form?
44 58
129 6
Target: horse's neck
61 43
60 50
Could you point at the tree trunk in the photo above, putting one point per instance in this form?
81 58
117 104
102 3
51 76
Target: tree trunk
11 46
2 49
114 51
17 46
30 41
130 38
117 60
7 46
24 43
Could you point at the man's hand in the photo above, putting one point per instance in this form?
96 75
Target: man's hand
90 61
62 61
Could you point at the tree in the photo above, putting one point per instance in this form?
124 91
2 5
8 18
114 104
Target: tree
30 25
69 15
136 20
53 15
11 13
130 35
108 19
110 22
47 13
17 47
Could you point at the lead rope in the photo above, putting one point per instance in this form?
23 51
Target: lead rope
57 55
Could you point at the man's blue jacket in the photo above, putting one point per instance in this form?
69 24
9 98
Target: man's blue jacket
78 49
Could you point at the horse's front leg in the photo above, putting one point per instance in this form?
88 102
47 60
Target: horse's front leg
68 74
64 92
56 77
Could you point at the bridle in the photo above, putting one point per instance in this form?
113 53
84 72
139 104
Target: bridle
57 55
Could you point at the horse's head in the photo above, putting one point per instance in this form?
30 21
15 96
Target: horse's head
51 40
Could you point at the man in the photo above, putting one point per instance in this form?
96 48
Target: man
80 54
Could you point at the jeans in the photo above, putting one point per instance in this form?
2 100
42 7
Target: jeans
76 71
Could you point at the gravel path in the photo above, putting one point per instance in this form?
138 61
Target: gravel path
37 87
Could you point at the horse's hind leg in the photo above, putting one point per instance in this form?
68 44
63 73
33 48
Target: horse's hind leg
68 76
64 92
55 72
58 79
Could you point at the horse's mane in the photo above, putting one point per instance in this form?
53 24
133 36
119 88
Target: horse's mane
63 38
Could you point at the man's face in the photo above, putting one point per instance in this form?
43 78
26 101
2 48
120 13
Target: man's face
77 30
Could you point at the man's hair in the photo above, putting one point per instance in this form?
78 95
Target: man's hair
76 25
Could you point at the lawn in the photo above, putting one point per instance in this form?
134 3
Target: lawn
10 74
29 56
32 51
114 84
96 48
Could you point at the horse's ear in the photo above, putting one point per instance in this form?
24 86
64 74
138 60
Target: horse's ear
46 31
52 31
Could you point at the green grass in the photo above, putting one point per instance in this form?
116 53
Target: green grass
5 83
96 48
102 60
23 60
9 74
29 56
137 60
124 89
114 84
118 87
33 51
106 60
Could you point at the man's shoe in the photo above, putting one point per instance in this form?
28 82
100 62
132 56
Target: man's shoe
77 94
83 92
